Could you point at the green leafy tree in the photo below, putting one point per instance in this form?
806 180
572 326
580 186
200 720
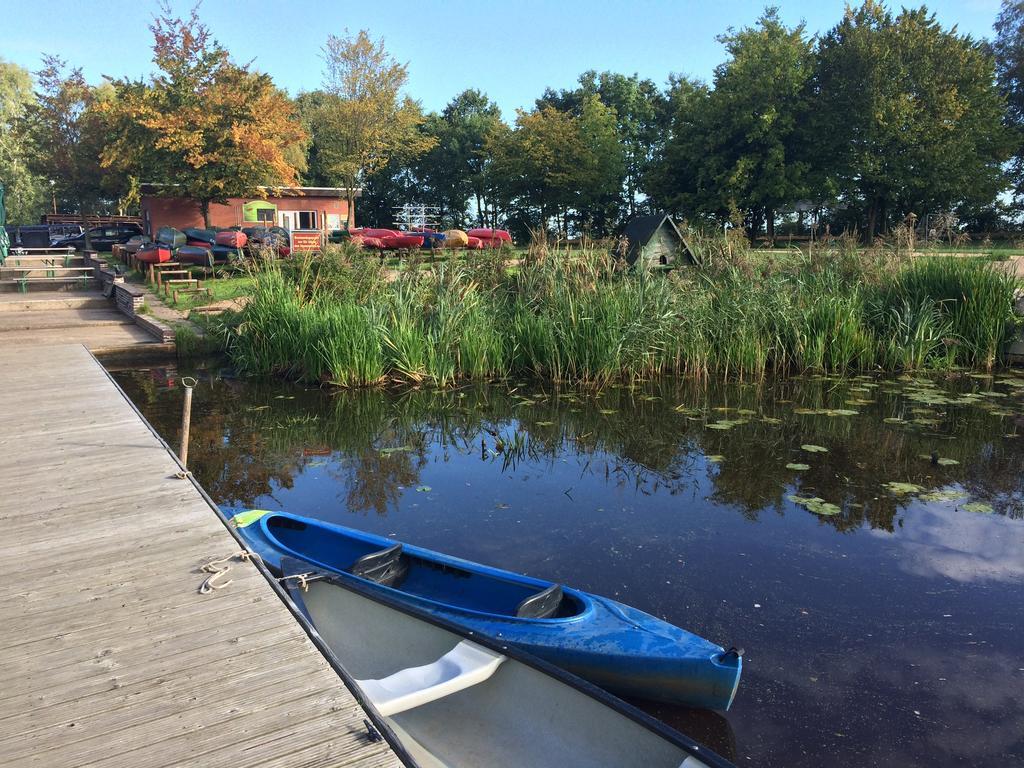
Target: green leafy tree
204 127
454 171
363 120
739 144
68 133
554 168
1008 48
671 180
907 117
26 192
639 120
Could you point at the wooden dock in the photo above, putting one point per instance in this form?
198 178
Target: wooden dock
109 656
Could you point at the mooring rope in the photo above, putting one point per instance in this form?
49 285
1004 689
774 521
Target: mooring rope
302 578
219 568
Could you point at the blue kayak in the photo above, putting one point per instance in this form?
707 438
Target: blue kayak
606 642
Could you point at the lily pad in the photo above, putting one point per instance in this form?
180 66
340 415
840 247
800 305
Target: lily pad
608 411
726 423
814 448
797 466
840 412
424 489
893 420
397 449
545 423
715 458
815 504
943 496
941 461
978 507
902 489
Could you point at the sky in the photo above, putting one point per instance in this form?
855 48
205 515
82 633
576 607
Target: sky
510 50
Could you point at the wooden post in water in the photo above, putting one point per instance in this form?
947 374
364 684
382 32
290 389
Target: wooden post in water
186 418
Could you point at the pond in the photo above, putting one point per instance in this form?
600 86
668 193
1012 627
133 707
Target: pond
862 539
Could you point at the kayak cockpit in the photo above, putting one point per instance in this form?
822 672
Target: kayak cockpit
431 579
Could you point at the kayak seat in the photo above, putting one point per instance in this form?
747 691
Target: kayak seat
542 605
466 665
385 566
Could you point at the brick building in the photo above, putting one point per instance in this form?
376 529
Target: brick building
297 209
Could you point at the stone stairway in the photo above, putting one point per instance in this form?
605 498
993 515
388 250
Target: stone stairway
42 318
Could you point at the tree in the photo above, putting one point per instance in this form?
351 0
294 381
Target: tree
555 165
454 171
639 121
907 117
754 152
740 142
68 134
363 120
672 178
1008 48
25 190
204 127
601 169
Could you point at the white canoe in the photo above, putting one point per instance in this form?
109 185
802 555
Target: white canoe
455 701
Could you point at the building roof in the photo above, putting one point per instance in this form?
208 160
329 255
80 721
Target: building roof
640 230
153 188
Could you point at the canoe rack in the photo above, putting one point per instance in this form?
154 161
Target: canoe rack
464 666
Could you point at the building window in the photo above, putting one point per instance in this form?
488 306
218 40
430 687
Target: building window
306 219
266 215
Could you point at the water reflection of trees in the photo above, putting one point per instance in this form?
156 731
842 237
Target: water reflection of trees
250 437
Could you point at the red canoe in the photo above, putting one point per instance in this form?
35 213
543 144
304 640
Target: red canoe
380 233
395 242
232 238
501 235
364 241
153 253
475 244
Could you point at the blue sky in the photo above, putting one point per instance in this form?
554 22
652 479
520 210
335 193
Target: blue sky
510 50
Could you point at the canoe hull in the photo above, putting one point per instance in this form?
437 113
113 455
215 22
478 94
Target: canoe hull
606 642
450 697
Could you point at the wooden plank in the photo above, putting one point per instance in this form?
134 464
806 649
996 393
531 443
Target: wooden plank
109 656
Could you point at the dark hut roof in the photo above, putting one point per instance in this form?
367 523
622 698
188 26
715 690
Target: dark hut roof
640 230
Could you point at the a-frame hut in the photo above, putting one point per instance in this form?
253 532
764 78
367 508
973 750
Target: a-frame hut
655 240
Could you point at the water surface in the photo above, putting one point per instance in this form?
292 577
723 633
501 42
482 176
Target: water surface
889 632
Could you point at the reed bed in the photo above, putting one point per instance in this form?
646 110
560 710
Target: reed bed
578 316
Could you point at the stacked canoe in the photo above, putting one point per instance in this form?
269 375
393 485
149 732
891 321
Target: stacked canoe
208 247
375 238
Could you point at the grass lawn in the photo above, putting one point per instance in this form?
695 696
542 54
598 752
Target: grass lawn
221 288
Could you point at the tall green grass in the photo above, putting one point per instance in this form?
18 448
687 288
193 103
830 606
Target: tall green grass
578 316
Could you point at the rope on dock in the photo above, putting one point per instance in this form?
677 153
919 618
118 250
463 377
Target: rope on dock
219 568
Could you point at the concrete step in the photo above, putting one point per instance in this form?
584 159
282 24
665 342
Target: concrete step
48 301
10 284
112 337
13 273
28 320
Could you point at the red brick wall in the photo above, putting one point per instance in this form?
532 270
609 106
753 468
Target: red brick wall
181 213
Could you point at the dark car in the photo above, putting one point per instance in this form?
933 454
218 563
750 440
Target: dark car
102 238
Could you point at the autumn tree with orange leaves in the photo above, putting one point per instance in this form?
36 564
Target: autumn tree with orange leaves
204 127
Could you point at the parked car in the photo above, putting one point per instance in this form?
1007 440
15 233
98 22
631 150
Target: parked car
102 238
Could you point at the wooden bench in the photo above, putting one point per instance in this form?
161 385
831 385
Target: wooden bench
154 269
190 291
179 284
164 276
